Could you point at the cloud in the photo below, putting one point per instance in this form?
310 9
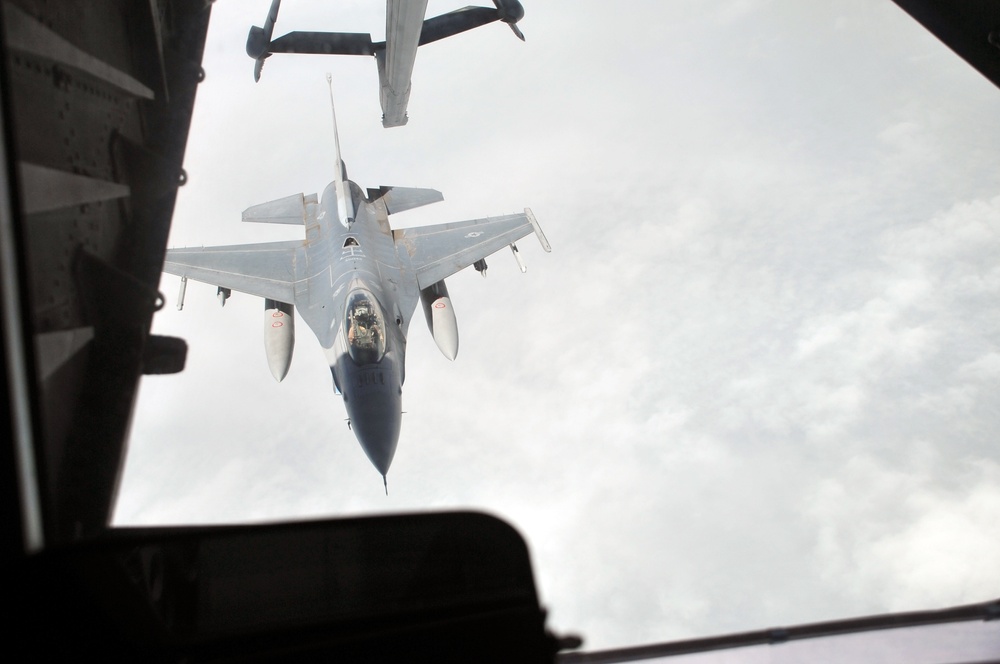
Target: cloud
919 544
753 383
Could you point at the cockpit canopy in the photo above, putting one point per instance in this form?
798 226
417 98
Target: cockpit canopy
365 328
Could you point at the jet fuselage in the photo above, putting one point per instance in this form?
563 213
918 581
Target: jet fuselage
355 300
356 282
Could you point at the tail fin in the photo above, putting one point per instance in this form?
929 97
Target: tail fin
345 204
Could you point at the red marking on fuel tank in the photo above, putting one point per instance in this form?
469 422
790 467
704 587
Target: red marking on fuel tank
277 323
439 305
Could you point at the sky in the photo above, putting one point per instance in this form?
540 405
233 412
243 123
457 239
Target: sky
753 384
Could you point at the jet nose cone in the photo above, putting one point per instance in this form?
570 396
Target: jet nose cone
374 399
376 423
380 451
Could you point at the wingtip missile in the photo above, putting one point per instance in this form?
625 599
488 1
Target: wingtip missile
180 296
517 257
538 230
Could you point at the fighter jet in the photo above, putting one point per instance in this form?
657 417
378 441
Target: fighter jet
356 283
405 30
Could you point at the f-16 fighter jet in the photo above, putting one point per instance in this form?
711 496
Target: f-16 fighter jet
405 30
356 283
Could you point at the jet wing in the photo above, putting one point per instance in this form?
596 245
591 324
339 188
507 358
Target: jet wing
439 251
266 269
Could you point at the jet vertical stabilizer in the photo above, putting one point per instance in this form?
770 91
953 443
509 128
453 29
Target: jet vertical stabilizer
345 204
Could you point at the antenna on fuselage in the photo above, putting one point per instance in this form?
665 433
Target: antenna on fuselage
345 204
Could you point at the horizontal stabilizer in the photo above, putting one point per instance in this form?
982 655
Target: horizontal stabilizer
398 199
455 22
287 210
328 43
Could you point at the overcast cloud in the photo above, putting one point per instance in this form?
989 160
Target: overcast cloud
755 382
